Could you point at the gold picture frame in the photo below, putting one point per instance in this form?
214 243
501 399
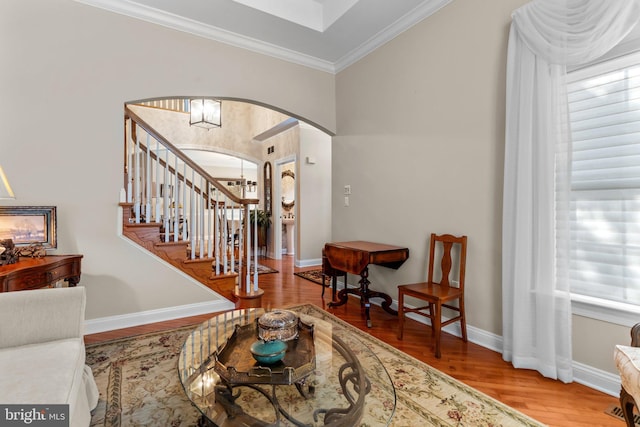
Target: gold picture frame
288 181
26 225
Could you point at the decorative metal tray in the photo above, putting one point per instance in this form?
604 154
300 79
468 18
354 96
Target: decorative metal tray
235 363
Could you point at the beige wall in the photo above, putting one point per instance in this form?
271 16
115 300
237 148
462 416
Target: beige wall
420 139
67 71
313 212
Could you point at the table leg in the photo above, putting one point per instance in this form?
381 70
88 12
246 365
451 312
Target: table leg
386 304
72 281
342 298
364 294
334 287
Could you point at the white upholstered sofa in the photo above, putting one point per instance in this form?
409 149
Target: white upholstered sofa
42 352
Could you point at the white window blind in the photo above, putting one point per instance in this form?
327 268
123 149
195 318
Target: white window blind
604 110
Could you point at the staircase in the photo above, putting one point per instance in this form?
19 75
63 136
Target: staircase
175 210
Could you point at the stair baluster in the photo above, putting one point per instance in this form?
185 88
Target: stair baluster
186 210
217 231
147 187
158 214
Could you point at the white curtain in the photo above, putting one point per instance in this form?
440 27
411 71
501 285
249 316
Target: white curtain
546 36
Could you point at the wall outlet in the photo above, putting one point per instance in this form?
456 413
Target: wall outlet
347 189
346 200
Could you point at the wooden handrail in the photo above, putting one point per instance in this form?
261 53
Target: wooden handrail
183 178
176 152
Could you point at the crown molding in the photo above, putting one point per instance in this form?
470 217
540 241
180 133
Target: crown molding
392 31
176 22
180 23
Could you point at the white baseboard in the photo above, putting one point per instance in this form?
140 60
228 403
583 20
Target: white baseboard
596 379
586 375
475 335
110 323
589 376
308 262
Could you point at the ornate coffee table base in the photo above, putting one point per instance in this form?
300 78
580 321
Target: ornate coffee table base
353 382
348 386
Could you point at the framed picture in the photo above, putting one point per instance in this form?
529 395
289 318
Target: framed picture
29 224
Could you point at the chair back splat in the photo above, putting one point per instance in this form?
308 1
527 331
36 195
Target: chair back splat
439 294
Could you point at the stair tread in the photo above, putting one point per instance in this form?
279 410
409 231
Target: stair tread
194 260
142 224
173 243
149 236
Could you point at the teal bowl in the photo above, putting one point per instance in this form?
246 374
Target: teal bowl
268 352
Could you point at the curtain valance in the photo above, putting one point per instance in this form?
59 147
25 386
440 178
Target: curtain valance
573 32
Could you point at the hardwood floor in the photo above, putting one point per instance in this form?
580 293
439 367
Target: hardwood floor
550 402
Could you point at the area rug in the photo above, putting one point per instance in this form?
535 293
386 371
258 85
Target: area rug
138 384
262 269
314 276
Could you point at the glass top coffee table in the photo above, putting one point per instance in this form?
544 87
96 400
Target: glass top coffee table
327 377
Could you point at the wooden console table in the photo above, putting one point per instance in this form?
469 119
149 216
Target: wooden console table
354 257
34 273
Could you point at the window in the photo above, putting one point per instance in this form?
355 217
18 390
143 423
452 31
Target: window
604 111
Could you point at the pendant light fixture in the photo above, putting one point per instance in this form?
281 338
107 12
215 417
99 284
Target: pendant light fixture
205 113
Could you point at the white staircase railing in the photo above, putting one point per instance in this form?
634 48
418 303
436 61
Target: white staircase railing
166 187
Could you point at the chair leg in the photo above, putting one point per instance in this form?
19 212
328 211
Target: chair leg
432 317
463 320
437 325
627 403
400 314
323 285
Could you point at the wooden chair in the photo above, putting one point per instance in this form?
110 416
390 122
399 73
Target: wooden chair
332 274
438 295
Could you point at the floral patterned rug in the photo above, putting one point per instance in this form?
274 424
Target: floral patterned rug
262 269
314 276
139 386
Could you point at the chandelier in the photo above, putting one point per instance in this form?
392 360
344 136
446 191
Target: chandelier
205 113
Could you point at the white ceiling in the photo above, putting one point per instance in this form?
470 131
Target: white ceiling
328 35
315 14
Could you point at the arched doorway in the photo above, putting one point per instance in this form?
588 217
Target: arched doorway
254 134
